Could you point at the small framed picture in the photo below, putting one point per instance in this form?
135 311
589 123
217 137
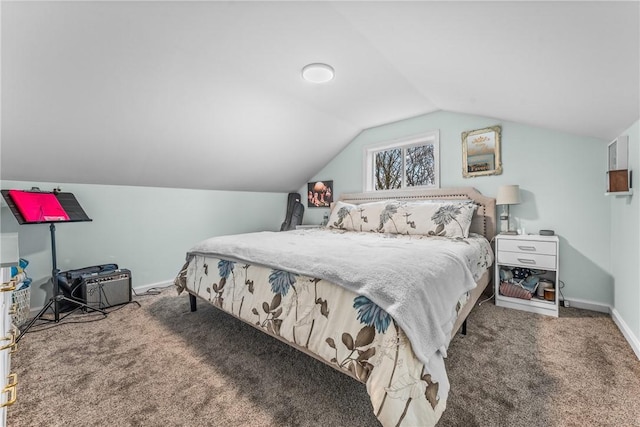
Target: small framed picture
481 152
319 194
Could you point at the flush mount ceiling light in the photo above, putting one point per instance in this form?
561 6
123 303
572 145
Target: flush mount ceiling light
317 73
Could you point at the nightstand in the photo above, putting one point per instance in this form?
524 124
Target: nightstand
534 252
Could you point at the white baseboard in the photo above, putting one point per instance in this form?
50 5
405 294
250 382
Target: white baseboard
157 285
589 305
634 342
34 310
138 290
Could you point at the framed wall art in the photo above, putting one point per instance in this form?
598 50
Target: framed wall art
481 152
319 194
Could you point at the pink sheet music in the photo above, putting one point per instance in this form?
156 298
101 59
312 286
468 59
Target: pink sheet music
38 207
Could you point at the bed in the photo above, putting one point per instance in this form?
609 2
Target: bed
376 294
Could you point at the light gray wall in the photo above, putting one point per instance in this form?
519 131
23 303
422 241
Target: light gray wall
145 229
560 176
625 242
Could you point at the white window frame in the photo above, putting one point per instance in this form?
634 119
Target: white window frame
427 138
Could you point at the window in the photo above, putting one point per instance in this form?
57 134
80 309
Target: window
405 163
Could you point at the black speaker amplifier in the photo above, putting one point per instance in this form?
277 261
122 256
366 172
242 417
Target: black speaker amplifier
106 289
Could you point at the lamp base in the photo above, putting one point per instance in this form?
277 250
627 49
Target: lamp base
504 223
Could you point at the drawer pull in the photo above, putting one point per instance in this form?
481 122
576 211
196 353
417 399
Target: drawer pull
527 261
12 342
13 380
12 395
10 286
527 248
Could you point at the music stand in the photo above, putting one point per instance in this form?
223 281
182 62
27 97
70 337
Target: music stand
76 214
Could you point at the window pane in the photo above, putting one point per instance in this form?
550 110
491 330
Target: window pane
403 163
388 169
420 166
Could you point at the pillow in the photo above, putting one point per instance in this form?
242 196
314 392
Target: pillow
340 216
448 219
371 216
363 217
513 291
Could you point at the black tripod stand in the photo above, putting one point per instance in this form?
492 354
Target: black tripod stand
56 298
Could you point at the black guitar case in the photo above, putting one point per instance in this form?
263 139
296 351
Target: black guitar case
295 211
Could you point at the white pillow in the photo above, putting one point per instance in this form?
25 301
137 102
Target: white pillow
449 219
429 218
340 217
363 217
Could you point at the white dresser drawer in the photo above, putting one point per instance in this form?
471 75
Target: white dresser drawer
531 260
528 246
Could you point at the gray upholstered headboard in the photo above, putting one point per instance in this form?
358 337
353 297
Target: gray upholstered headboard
484 220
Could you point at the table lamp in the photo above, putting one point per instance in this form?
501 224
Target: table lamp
507 195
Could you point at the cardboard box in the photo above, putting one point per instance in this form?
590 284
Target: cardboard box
618 180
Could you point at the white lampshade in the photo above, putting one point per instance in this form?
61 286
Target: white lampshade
508 195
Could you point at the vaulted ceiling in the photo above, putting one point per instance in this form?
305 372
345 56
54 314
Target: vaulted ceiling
209 94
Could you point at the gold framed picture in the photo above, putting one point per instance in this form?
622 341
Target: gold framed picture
481 152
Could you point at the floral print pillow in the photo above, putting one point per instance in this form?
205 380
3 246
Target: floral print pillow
427 218
363 217
340 217
447 219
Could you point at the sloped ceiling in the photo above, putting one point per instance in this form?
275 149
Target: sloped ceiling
209 94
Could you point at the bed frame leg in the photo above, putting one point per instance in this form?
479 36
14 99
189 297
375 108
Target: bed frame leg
464 327
192 302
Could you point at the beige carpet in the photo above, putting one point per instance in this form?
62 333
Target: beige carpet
161 365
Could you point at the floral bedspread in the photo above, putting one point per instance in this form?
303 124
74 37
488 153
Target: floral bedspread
345 329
